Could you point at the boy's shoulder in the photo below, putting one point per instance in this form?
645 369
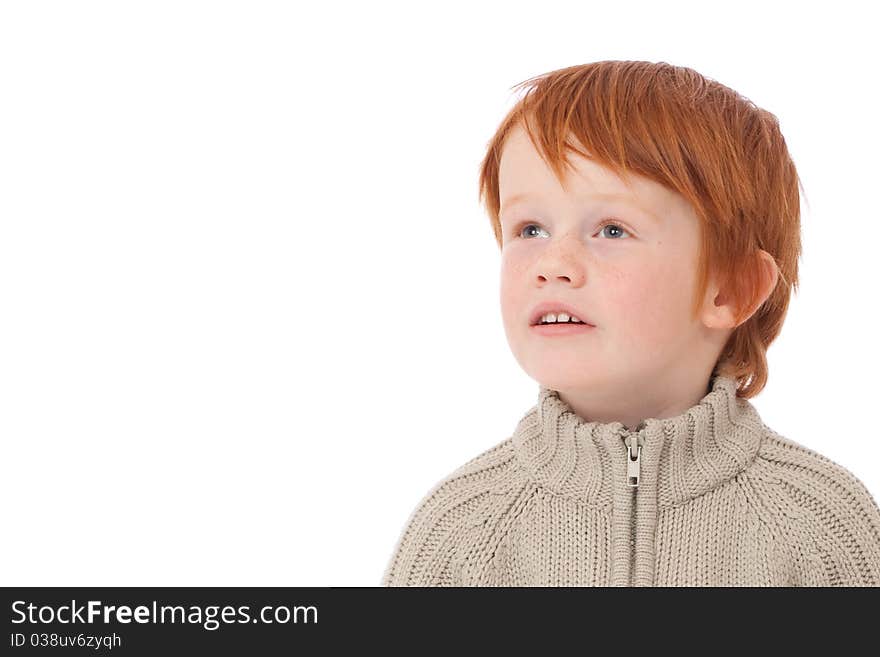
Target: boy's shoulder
794 463
487 472
484 473
443 517
824 510
487 461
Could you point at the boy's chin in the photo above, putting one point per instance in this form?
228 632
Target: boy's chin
560 379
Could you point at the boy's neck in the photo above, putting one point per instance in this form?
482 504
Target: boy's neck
633 403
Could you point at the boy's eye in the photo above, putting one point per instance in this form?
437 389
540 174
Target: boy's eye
609 223
524 226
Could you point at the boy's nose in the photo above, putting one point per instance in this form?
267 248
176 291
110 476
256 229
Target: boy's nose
563 263
562 270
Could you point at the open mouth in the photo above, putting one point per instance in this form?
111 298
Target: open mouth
541 315
561 328
570 321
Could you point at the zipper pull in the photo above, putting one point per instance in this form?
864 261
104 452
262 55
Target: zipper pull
633 456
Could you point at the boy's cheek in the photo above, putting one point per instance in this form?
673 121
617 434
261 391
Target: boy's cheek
514 290
514 310
514 266
646 312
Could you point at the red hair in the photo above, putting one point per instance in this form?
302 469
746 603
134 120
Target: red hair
699 138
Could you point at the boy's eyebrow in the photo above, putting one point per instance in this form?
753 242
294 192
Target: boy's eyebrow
518 198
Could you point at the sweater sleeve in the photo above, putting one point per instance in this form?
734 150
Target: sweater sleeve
849 540
435 537
835 519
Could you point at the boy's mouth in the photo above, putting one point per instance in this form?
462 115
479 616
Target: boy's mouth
557 308
561 328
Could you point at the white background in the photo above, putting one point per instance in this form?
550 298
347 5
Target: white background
249 306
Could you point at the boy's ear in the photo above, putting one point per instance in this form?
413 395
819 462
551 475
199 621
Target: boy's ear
719 308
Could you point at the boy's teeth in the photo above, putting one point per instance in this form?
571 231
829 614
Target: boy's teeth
550 318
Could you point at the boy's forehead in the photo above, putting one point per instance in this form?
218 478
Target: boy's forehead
524 175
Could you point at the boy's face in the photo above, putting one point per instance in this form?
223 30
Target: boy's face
633 278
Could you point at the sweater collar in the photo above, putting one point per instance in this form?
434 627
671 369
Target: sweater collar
682 456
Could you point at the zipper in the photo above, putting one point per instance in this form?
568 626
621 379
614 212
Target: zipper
633 463
633 459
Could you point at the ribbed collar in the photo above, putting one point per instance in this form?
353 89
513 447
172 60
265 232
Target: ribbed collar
682 456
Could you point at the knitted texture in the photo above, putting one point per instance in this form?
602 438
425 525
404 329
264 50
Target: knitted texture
720 500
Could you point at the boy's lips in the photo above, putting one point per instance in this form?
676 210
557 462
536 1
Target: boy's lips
555 307
565 328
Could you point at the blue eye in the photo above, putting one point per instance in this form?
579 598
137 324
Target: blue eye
609 223
524 226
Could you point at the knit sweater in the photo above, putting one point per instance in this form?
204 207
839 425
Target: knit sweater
710 497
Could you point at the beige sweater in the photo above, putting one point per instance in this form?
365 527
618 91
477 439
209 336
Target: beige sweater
712 497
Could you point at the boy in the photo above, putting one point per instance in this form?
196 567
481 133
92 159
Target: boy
649 226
